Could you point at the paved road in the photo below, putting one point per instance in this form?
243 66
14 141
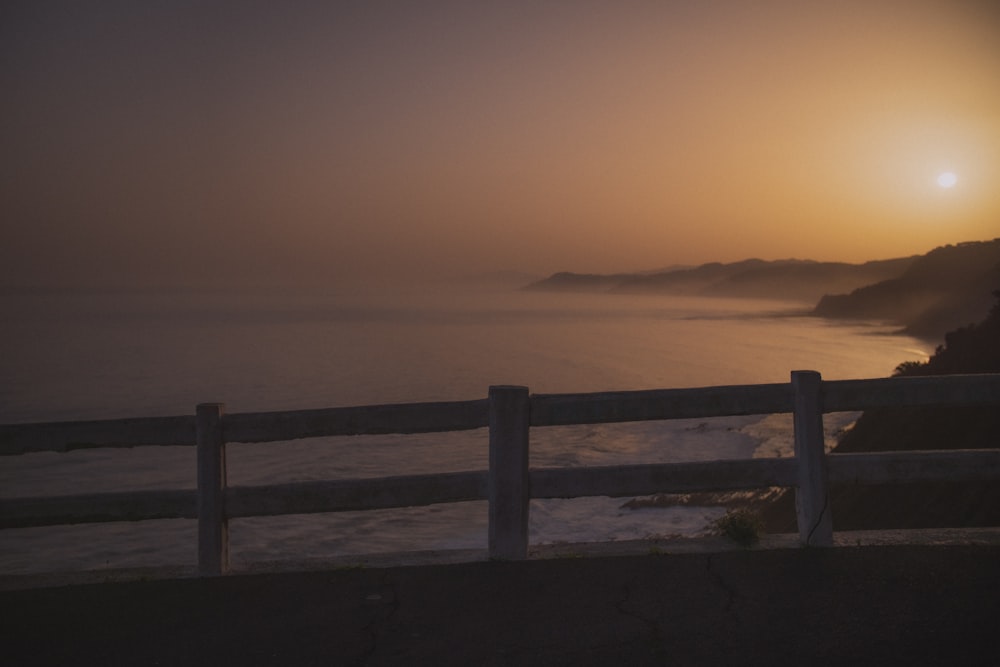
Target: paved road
907 605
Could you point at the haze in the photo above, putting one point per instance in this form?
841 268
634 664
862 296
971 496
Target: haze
325 143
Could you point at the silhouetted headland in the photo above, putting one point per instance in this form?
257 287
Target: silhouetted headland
790 279
925 295
947 288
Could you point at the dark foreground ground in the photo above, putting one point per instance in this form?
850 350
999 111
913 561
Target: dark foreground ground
907 605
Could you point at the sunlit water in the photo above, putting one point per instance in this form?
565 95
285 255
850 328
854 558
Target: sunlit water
116 355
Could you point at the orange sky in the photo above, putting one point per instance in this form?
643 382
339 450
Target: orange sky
231 143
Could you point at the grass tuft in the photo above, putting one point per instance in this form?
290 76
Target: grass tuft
742 526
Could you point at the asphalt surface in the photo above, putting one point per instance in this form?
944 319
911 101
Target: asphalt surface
906 605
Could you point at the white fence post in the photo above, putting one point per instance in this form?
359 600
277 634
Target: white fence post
812 496
213 528
509 492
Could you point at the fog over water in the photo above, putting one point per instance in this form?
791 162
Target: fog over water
95 356
108 355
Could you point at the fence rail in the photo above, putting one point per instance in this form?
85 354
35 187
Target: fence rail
509 484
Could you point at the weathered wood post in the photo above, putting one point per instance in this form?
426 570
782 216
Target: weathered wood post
509 491
812 495
213 528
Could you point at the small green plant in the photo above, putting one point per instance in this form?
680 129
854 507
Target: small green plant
742 526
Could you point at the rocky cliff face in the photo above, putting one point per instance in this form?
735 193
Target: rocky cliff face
947 288
972 349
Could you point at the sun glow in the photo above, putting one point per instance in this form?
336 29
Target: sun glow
947 179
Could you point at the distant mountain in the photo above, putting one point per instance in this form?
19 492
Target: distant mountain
808 280
792 279
927 295
948 287
689 281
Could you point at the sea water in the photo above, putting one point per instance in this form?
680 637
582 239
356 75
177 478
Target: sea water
72 356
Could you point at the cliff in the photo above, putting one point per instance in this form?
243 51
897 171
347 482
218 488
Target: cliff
807 281
947 288
971 349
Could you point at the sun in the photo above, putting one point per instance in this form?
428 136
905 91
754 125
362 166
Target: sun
947 179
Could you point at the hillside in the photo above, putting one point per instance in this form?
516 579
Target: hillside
972 349
925 295
947 288
799 280
807 281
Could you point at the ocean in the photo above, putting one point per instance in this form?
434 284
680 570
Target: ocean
71 356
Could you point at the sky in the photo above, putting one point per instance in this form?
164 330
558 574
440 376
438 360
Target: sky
197 143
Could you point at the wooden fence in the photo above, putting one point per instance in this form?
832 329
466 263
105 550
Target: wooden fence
509 412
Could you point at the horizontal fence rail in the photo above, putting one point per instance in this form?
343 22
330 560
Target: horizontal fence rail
967 465
247 427
67 436
366 420
98 508
625 406
648 479
508 485
355 494
852 395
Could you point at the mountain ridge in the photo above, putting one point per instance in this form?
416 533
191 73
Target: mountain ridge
925 295
784 279
946 288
